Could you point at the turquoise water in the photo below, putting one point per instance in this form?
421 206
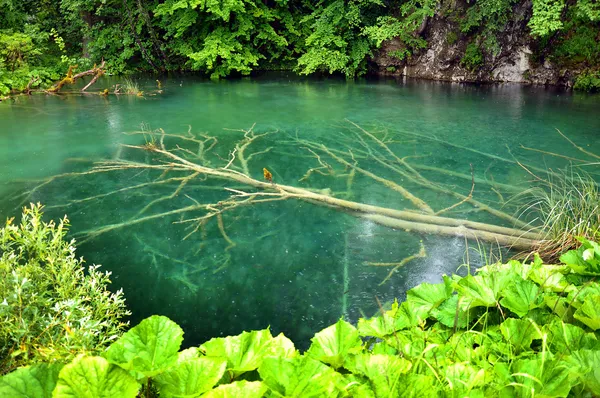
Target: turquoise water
294 266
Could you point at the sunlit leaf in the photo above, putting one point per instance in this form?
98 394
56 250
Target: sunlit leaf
333 344
94 377
383 372
299 377
463 377
427 296
191 377
521 296
37 381
520 332
547 378
406 315
586 367
246 351
589 312
453 313
238 389
148 348
480 290
565 337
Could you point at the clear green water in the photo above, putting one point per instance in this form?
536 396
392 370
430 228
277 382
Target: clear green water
296 266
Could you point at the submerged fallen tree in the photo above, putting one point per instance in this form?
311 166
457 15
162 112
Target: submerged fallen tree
188 156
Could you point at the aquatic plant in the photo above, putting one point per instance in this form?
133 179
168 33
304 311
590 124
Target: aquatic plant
514 329
51 307
567 203
130 87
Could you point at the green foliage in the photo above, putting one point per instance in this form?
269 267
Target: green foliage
473 57
588 81
546 17
514 329
51 307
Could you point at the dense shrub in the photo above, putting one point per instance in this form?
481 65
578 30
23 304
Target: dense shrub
51 308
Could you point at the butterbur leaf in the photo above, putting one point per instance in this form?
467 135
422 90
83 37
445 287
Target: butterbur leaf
520 332
148 348
551 277
479 290
585 365
94 377
564 337
246 351
452 313
238 389
383 372
427 296
521 296
589 312
545 378
418 386
463 378
299 377
333 344
379 326
190 378
37 381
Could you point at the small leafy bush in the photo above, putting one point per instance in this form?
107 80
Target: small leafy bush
512 330
473 57
51 308
588 81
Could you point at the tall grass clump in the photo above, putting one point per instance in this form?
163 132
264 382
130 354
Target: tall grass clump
567 205
131 87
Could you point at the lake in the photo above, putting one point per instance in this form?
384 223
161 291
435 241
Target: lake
294 265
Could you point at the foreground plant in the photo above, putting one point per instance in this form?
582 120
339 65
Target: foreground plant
515 329
51 307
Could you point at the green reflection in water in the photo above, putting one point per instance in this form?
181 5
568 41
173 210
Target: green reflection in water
295 266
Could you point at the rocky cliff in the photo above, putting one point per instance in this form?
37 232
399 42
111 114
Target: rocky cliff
515 58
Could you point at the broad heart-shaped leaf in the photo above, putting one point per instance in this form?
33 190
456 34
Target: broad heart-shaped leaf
551 277
246 351
333 344
481 290
301 377
564 337
453 313
418 386
546 377
521 296
585 260
520 332
408 314
190 378
586 366
37 381
238 389
94 377
427 296
463 378
589 312
383 372
149 348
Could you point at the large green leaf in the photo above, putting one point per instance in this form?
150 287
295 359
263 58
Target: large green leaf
246 351
36 381
190 378
551 277
462 378
586 367
480 290
418 386
546 377
149 348
520 332
333 344
406 315
589 312
564 337
383 372
521 296
94 377
453 313
238 389
427 296
301 377
585 260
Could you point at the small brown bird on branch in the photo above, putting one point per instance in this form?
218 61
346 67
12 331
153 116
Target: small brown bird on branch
268 175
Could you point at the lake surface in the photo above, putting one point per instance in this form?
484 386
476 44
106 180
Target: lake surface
292 265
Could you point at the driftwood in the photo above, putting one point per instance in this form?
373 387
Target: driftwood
70 78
